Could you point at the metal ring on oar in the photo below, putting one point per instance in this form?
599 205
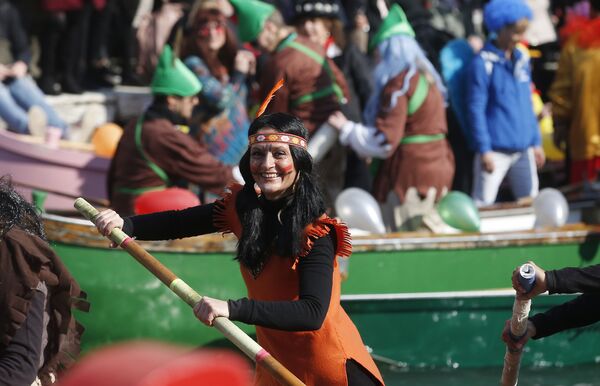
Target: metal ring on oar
191 297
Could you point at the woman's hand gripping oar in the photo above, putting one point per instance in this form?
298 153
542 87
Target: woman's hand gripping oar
518 327
191 297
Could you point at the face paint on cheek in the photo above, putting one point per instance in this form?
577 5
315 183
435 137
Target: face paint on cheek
287 169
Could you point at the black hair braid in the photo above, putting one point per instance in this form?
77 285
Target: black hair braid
252 247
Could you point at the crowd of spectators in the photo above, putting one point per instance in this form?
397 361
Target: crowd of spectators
94 44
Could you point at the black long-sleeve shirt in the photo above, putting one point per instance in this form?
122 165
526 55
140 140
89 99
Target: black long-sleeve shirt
573 280
315 270
579 312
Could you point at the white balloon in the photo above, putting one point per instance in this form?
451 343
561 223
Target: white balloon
358 209
551 208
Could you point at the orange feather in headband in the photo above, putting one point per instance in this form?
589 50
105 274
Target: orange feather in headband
269 97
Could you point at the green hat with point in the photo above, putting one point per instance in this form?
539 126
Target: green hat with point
395 23
251 16
172 77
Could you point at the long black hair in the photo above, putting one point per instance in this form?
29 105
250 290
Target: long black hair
300 209
16 211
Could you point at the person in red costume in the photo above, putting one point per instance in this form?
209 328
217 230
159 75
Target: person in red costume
575 92
287 251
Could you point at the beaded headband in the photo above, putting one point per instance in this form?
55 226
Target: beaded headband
289 139
286 138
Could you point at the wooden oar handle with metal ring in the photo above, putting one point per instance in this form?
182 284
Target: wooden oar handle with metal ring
191 297
518 327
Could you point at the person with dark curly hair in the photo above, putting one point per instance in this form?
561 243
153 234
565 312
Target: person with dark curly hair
38 332
287 251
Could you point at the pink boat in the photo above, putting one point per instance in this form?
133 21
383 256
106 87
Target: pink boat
72 170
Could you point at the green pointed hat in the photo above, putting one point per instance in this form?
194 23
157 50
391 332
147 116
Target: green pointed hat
172 77
395 23
251 15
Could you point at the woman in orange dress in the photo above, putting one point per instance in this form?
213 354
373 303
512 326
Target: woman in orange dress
287 254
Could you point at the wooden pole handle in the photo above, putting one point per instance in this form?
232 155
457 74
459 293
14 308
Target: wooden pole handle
512 359
191 297
518 327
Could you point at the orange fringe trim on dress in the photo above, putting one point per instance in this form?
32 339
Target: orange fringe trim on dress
320 228
220 219
585 30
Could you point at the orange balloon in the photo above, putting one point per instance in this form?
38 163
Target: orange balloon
106 138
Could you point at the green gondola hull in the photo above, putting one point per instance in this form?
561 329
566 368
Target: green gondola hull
462 331
418 301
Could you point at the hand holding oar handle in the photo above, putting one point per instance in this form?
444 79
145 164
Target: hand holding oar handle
518 327
191 297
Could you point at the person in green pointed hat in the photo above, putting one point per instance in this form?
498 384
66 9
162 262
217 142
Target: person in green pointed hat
395 23
405 127
155 152
260 23
252 15
172 77
314 86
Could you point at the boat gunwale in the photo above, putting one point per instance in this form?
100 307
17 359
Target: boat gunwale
471 240
81 232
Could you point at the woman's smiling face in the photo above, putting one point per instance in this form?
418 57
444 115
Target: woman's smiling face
272 167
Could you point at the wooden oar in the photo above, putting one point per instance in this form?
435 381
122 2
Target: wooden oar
191 297
518 327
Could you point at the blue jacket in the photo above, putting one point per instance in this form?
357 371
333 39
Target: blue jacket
499 107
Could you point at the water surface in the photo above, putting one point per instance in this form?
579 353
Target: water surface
584 375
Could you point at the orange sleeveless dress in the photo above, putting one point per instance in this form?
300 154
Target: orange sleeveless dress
317 357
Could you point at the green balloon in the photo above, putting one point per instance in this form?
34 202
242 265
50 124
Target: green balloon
459 211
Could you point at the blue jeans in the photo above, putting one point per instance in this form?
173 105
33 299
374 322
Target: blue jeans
17 96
